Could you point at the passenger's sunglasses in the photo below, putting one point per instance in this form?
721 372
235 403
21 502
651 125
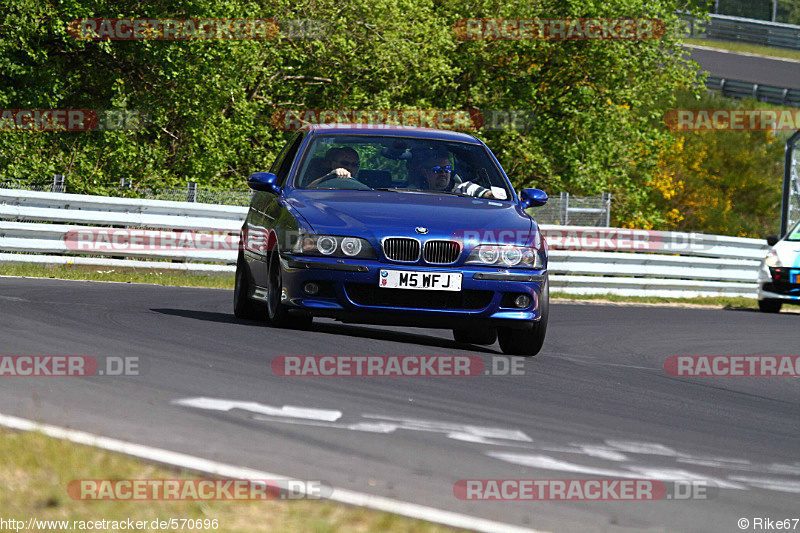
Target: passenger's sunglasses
438 169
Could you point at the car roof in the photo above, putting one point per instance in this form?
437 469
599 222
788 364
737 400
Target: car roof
391 130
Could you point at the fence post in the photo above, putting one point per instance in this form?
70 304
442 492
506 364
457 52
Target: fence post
191 192
58 182
607 207
562 208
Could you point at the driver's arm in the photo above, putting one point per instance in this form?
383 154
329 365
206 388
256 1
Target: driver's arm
473 189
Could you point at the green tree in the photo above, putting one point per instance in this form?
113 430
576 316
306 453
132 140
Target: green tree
721 182
789 11
597 102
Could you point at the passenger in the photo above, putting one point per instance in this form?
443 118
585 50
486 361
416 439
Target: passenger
437 175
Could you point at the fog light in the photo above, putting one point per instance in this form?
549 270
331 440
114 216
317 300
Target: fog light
522 301
311 288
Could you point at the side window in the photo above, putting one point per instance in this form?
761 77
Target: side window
285 160
279 159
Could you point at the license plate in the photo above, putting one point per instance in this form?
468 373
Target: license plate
794 277
431 281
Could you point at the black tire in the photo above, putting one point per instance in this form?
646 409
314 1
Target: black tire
527 342
482 336
770 306
277 313
243 306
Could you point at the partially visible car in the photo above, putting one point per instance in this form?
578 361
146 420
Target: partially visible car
779 276
374 245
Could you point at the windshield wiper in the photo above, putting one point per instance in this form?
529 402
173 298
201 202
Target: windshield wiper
422 191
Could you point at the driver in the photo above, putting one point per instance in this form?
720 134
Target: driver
343 162
437 171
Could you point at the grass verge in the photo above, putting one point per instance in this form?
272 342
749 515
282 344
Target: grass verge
180 279
746 48
717 301
37 469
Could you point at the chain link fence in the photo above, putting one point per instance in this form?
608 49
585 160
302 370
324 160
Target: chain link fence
563 209
785 11
192 193
751 9
575 210
57 184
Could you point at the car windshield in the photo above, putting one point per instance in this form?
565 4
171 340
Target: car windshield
794 233
374 162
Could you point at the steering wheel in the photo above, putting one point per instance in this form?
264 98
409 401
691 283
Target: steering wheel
342 183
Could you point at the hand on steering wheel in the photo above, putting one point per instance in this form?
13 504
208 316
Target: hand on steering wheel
339 173
335 173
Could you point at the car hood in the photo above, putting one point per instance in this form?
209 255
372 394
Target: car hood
374 215
788 253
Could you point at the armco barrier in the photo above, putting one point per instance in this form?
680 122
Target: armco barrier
36 222
737 29
583 260
756 91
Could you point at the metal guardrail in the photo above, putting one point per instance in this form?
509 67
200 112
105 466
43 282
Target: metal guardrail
586 260
756 91
583 260
37 223
737 29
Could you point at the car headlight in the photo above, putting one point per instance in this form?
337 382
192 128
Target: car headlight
326 244
772 259
351 246
505 256
487 254
333 246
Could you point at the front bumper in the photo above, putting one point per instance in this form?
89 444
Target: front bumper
349 291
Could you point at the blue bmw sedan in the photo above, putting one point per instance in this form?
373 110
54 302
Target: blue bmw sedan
394 225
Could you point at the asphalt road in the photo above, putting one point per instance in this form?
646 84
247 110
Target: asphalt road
595 403
746 67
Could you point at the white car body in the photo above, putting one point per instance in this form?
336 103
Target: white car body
779 274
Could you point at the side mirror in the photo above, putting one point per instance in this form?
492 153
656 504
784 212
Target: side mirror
772 240
264 181
532 198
